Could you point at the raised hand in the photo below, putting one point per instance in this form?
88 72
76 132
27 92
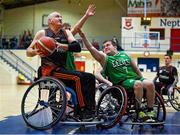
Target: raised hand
91 10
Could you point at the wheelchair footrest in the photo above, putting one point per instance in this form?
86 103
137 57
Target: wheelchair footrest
95 121
144 123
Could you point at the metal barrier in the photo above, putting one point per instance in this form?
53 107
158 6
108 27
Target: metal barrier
18 64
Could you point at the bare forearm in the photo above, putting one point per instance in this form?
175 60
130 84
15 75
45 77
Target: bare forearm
94 52
99 56
88 45
154 80
102 79
79 24
175 81
139 72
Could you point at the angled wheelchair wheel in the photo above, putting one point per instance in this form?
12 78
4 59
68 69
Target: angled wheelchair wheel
174 98
111 106
99 89
159 108
44 103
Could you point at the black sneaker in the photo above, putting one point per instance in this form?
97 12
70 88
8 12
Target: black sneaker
77 111
87 115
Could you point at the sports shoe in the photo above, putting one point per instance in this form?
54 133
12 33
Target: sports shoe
151 114
141 115
87 115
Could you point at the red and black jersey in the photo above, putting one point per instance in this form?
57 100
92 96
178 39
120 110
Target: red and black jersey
58 57
166 74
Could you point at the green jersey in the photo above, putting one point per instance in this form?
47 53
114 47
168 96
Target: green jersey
118 68
70 61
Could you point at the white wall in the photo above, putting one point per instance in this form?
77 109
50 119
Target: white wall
8 75
32 61
106 22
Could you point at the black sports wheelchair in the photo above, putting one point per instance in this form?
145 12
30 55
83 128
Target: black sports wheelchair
45 103
172 97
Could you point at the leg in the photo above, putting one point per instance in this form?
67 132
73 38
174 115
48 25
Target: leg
72 79
137 87
88 82
84 85
150 92
138 91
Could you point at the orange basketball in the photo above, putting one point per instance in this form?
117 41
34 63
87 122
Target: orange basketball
46 45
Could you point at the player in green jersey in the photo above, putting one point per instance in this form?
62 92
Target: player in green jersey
121 69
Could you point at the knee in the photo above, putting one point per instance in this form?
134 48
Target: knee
150 86
138 85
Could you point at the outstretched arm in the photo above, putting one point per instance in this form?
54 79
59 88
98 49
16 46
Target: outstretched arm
89 12
99 56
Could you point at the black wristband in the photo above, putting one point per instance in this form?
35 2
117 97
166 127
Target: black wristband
74 47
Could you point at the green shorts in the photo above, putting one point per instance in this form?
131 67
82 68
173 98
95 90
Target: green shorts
129 83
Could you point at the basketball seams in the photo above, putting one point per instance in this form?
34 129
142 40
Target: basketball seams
41 43
46 46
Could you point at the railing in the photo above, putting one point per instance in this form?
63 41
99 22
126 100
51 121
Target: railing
18 64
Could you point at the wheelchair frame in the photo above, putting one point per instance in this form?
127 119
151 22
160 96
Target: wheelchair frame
173 97
131 115
44 105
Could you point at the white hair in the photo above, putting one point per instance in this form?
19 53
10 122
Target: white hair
51 15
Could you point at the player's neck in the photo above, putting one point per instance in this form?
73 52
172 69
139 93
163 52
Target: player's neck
168 65
55 30
115 52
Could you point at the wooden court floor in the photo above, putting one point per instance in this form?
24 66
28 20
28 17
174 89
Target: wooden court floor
11 121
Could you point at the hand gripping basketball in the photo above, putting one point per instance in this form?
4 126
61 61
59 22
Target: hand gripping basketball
46 46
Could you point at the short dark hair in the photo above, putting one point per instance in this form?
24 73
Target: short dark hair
119 48
168 56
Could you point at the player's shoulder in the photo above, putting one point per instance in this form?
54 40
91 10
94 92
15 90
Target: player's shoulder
174 68
124 53
40 34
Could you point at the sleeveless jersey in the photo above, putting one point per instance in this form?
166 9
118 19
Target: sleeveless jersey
118 68
166 74
61 38
58 57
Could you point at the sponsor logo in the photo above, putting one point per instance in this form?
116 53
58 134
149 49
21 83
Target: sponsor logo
139 3
169 23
